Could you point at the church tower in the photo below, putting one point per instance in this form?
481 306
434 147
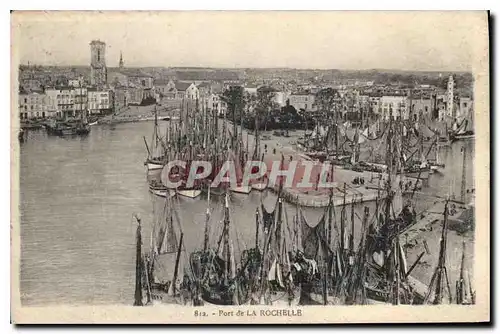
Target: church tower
120 64
98 71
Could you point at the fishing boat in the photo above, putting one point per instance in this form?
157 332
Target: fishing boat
242 189
67 128
163 277
156 154
464 130
189 193
386 272
439 285
278 283
158 189
465 295
214 268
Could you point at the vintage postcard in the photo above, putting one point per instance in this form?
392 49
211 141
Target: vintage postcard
250 167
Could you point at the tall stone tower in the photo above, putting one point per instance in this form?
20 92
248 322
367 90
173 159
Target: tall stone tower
450 97
98 72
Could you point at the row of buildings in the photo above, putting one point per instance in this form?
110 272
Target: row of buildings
389 102
65 101
109 91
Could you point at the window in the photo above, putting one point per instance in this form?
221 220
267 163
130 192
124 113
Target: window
98 55
25 100
426 108
31 108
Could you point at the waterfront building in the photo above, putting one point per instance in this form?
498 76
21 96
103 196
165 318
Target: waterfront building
100 101
33 105
98 70
80 100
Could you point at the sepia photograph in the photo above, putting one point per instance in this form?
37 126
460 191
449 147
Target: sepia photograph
250 167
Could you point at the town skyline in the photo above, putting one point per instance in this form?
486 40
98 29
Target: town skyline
255 40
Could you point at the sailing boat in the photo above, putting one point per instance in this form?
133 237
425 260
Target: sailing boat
278 284
161 284
159 189
156 155
313 262
386 268
465 130
440 285
464 292
214 268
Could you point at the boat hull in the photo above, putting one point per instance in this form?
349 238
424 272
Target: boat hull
162 192
283 299
242 189
153 165
189 193
422 175
463 137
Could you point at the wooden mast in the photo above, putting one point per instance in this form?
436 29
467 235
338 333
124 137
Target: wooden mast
177 260
440 276
257 228
207 221
463 185
342 226
138 265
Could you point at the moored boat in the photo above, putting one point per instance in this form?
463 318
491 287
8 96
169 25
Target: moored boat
189 193
241 189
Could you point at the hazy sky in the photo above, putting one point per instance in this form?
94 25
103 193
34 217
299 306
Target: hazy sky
343 40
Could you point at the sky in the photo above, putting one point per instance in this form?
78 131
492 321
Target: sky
438 41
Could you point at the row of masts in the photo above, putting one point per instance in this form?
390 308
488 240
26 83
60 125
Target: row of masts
352 261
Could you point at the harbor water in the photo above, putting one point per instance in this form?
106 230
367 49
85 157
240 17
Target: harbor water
78 197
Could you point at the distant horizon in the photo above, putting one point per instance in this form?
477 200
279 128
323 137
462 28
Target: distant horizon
308 40
260 68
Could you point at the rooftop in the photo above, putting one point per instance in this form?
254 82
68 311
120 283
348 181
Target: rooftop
182 86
